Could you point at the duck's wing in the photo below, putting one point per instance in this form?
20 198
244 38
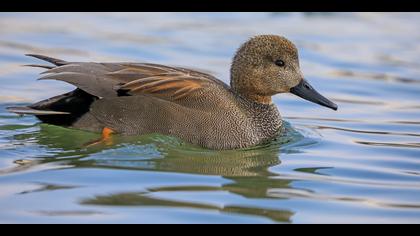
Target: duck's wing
87 76
170 83
131 79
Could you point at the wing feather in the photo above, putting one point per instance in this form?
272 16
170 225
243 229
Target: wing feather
174 85
118 79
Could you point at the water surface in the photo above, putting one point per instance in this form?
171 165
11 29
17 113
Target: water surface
360 164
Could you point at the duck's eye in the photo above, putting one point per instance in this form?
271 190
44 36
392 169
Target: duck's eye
279 62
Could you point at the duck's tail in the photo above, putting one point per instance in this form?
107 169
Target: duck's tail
61 110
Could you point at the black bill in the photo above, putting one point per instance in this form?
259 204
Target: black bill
307 92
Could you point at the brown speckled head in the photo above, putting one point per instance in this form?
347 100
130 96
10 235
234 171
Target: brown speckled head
265 65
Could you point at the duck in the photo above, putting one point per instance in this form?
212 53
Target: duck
127 98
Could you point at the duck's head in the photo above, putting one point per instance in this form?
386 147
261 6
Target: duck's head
267 65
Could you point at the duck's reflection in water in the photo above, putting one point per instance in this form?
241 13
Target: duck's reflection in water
247 170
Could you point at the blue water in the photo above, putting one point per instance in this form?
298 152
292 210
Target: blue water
360 164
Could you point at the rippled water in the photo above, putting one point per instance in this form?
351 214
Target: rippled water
360 164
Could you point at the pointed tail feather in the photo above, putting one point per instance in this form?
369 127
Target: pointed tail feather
55 61
31 111
41 66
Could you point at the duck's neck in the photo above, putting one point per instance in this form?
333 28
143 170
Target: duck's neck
239 87
261 99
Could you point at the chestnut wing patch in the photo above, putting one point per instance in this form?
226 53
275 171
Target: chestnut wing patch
160 81
174 85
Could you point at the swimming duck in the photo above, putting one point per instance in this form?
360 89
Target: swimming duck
143 98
